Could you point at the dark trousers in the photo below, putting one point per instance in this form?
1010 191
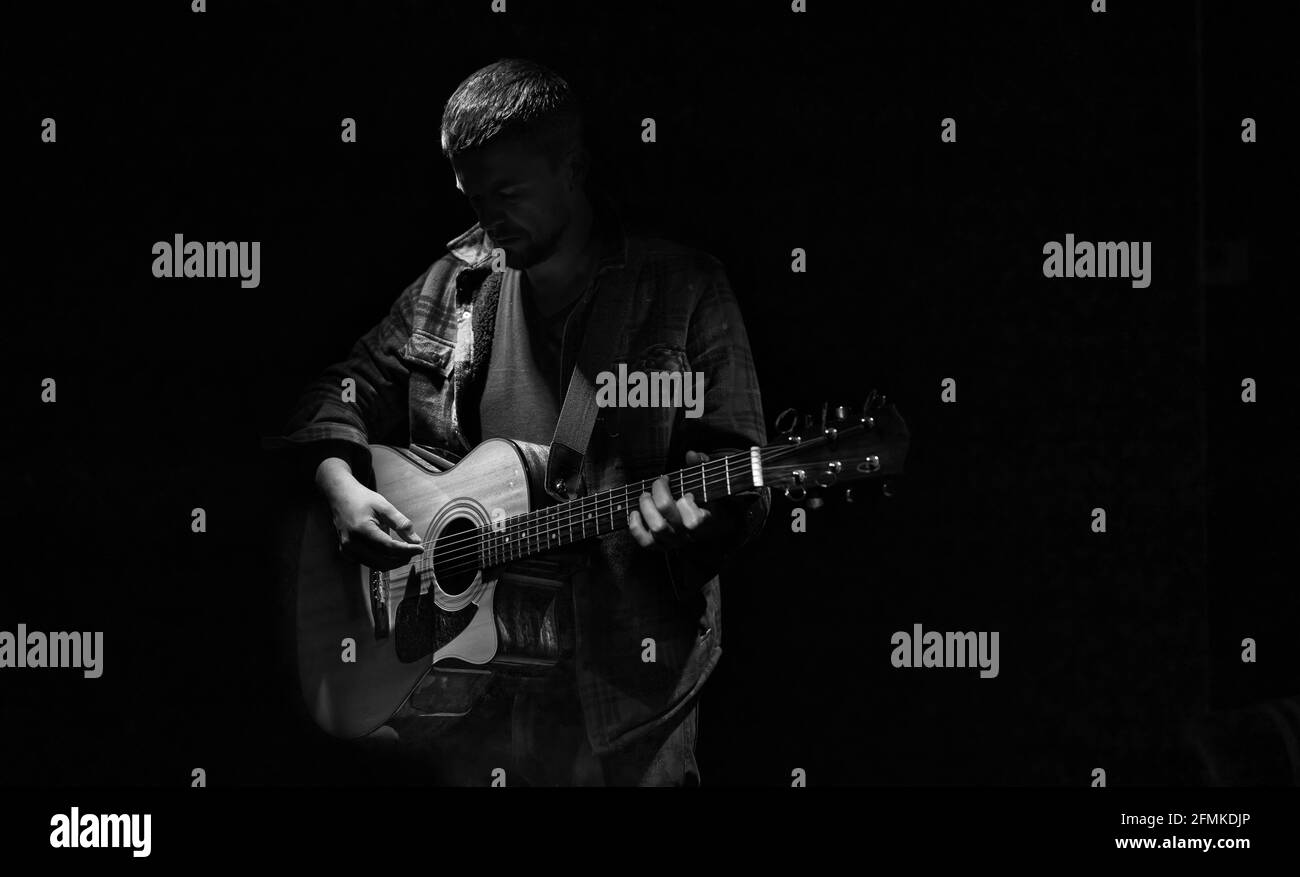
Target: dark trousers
533 730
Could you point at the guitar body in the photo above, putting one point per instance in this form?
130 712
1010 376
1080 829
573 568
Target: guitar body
367 638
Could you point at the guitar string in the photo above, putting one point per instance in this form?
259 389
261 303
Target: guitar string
471 562
521 523
579 508
466 560
533 525
463 561
589 513
595 515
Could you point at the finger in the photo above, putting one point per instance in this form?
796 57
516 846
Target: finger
695 458
389 515
664 502
385 545
659 528
695 520
638 530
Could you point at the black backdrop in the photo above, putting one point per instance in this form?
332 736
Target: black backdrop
775 131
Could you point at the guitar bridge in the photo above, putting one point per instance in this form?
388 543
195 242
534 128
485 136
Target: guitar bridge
379 602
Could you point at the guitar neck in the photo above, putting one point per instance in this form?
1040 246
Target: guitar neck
872 446
600 514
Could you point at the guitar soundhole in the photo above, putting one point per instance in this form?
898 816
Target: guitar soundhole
455 555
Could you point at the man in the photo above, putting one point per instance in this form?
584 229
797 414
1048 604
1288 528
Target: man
468 353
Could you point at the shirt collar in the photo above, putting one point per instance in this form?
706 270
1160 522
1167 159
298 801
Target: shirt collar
474 246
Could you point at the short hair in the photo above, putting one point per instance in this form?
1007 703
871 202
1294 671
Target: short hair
508 99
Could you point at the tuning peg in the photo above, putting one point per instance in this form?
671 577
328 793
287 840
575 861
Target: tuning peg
838 416
867 407
786 422
831 474
798 490
848 494
886 489
874 401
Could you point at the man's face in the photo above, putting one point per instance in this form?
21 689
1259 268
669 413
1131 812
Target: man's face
524 204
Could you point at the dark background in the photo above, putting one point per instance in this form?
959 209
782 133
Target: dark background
774 131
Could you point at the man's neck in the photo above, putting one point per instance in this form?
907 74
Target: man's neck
560 280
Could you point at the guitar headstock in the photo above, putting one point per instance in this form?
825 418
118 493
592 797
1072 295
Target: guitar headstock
839 448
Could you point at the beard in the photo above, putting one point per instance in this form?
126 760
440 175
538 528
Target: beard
525 252
531 251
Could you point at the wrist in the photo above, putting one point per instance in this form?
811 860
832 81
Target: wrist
333 472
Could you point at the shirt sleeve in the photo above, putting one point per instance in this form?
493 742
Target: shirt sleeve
327 421
718 345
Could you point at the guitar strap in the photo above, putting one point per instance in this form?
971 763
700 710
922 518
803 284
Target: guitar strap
607 313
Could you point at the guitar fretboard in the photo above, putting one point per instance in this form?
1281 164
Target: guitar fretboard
602 513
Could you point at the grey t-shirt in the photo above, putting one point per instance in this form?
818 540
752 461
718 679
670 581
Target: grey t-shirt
525 380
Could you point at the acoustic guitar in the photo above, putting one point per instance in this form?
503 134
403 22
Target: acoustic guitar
425 639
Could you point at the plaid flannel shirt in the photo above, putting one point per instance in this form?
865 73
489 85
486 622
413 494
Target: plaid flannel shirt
419 378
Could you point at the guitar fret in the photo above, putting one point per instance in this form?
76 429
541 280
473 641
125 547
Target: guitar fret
565 523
